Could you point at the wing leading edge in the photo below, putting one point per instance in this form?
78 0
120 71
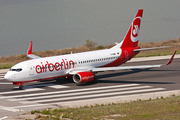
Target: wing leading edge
102 69
132 67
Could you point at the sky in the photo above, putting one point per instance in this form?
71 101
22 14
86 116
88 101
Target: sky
58 24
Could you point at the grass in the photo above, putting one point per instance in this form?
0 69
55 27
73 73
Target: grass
6 65
9 61
160 108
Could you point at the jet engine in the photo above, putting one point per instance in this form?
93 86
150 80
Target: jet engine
83 77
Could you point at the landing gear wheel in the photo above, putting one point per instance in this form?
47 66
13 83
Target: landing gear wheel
20 87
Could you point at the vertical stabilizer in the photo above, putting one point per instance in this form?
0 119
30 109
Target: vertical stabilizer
29 49
132 36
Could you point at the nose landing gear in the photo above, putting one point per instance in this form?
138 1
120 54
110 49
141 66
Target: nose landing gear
20 84
21 87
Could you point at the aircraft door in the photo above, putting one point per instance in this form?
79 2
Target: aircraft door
31 70
126 55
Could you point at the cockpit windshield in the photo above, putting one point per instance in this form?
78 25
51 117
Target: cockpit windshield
17 70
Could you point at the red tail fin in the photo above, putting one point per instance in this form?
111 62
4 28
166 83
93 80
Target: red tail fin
132 36
30 49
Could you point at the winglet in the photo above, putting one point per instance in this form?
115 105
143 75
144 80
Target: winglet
170 60
29 52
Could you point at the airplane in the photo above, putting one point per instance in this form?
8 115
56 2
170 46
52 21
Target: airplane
82 67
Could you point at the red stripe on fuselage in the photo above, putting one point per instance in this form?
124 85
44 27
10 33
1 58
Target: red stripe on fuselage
127 54
22 82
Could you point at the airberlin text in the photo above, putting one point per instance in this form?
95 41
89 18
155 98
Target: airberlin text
47 66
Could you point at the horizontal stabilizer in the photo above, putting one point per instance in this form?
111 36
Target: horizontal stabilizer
154 48
33 56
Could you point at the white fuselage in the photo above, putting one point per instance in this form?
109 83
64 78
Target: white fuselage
59 66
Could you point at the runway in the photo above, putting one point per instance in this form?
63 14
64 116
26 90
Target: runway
117 86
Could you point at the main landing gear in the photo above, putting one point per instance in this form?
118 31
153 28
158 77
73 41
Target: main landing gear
21 87
68 78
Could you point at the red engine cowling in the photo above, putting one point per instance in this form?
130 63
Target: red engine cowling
83 77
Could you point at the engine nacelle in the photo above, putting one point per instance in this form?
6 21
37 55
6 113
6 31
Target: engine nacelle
83 77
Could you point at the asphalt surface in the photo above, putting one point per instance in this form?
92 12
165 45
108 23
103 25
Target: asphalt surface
114 84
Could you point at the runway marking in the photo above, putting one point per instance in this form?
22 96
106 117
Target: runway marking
9 109
29 106
89 96
5 83
75 90
2 77
16 108
4 118
118 99
20 91
79 93
37 85
58 86
45 85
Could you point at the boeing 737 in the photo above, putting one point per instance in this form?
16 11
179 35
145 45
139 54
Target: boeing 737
82 67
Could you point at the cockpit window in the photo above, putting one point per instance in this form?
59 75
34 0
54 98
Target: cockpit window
17 70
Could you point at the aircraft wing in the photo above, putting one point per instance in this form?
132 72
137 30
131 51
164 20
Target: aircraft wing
132 67
154 48
29 52
74 71
102 69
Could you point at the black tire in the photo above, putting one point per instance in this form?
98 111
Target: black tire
21 87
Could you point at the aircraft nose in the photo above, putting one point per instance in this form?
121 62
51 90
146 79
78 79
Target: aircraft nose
8 76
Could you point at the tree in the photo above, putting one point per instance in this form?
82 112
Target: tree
90 43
